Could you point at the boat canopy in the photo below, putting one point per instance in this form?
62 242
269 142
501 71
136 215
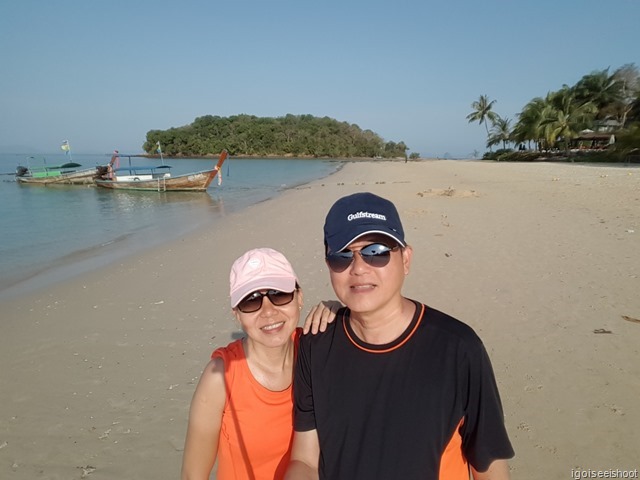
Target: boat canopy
130 167
141 168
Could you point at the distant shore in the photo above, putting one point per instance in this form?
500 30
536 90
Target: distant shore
292 157
541 259
590 157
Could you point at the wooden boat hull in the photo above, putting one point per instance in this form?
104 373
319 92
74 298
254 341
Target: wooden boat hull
81 177
192 182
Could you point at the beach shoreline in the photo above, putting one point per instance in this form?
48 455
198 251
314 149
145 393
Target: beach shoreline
26 268
540 259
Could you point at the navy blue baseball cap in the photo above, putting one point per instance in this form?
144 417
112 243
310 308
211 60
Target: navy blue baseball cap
356 215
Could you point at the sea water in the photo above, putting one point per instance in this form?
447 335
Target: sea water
48 233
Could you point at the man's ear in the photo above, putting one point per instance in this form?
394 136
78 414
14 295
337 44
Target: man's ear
407 255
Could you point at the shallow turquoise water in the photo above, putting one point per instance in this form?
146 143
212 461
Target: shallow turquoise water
46 229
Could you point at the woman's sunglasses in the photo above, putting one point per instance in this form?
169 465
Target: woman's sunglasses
377 255
253 302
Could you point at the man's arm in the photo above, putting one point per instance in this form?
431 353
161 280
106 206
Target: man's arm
305 454
498 470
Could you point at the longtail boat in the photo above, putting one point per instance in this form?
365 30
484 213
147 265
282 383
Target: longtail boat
66 174
155 178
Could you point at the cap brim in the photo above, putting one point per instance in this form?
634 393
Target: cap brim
384 232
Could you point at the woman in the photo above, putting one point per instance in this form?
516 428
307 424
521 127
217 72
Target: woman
242 410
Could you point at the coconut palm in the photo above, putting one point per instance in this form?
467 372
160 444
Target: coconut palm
528 129
563 117
598 87
613 94
500 132
482 112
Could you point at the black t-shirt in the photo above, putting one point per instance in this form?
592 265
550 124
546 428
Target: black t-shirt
407 409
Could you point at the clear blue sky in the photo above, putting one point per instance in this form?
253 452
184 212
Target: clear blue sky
102 74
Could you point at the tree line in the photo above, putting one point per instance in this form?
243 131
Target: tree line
291 135
552 122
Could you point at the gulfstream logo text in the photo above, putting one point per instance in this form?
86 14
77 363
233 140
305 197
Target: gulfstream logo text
355 216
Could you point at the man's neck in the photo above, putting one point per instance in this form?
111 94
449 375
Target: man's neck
384 325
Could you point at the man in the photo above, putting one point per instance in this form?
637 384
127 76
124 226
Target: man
394 389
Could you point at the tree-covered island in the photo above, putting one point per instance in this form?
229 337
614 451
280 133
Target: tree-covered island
289 136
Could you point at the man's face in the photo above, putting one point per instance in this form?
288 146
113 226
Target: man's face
365 288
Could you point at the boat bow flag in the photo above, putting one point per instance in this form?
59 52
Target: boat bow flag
159 150
66 148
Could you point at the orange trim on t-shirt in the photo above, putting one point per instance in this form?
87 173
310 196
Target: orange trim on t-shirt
453 465
394 347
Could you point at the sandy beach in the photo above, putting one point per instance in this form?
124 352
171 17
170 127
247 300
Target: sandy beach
542 260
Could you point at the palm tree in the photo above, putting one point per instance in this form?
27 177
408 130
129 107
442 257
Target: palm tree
500 132
599 88
563 117
482 112
528 128
614 94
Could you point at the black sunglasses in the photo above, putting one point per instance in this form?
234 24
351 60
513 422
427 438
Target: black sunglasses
253 302
377 255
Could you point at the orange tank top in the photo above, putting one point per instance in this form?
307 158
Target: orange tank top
257 423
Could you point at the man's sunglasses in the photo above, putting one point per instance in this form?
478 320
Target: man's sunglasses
377 255
253 302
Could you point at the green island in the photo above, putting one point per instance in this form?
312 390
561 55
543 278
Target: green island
597 119
295 136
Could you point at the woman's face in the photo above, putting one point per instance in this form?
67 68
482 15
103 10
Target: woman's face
271 325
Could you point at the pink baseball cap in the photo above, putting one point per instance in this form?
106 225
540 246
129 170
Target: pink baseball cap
259 269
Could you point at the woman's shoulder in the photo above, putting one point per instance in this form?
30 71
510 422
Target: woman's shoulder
233 351
212 383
